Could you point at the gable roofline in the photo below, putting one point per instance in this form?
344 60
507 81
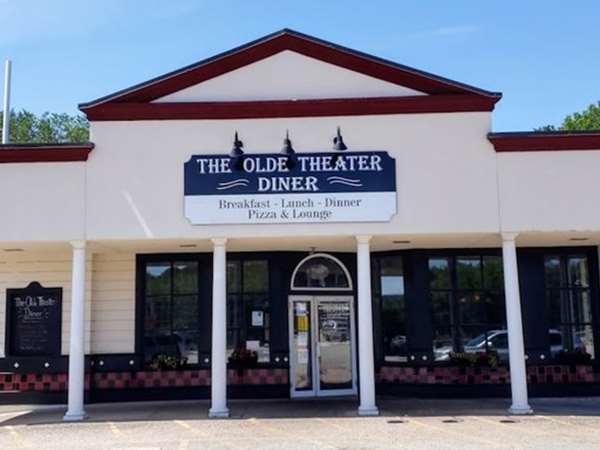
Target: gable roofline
287 39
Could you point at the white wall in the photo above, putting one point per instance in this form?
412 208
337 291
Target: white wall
42 201
549 191
110 296
446 172
288 75
50 270
113 304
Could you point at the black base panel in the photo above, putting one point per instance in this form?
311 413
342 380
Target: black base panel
33 398
283 391
187 393
487 390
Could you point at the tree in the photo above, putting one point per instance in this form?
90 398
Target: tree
588 119
25 127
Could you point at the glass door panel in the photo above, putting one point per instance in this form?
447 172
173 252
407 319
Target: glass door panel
334 345
302 345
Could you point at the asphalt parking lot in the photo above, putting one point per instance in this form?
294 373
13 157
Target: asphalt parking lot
316 424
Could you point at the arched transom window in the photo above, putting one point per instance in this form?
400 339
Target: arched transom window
321 272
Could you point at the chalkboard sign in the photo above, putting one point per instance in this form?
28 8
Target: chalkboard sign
34 317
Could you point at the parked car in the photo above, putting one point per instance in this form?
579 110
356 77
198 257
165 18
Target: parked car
497 341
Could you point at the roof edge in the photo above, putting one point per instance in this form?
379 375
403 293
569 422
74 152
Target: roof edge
465 88
530 141
45 152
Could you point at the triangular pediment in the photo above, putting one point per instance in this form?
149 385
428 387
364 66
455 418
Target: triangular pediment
288 75
313 76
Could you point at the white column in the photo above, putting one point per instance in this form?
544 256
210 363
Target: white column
516 348
218 386
366 361
75 409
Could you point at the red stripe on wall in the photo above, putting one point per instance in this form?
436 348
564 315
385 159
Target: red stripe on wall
291 108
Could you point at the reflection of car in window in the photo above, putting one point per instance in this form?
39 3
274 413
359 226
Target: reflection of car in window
497 341
397 345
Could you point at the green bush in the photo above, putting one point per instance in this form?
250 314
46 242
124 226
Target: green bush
469 359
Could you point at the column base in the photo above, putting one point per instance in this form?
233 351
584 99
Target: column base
368 411
218 413
75 417
520 410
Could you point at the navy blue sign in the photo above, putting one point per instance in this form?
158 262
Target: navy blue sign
271 174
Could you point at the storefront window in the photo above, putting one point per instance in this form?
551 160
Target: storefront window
569 305
248 313
468 305
171 313
389 295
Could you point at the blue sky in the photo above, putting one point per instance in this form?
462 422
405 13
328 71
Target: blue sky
543 55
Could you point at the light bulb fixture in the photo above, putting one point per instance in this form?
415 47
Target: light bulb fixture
237 154
288 150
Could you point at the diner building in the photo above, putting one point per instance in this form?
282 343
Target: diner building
294 219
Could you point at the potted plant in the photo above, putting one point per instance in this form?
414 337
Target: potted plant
163 361
470 359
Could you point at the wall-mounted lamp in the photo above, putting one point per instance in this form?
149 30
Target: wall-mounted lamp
288 150
338 141
338 144
237 154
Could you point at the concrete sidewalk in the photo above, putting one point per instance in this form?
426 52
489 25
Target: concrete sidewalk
323 424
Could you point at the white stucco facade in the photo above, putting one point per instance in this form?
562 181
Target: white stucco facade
454 190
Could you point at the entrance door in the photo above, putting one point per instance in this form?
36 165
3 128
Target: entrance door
322 355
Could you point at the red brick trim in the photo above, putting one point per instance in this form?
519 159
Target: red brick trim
300 43
290 108
34 153
538 142
485 375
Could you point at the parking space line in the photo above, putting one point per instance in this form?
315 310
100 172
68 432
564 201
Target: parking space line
361 433
506 425
18 436
568 424
456 433
115 430
317 442
190 428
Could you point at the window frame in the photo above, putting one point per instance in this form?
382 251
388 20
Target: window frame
204 293
453 290
566 288
241 259
349 288
377 305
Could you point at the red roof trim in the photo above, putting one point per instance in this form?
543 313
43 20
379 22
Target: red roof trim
33 153
545 141
300 43
290 108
